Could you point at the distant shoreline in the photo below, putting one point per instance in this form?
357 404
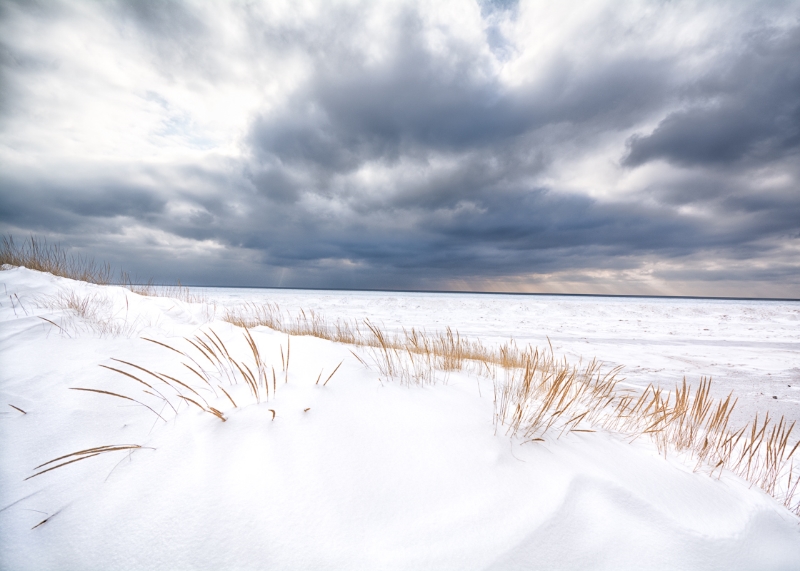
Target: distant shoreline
634 296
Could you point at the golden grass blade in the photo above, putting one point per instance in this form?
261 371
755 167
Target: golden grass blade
202 377
83 455
203 352
64 464
56 324
163 345
118 395
210 410
221 344
288 352
333 373
217 413
227 395
195 403
181 383
359 358
98 449
134 377
45 520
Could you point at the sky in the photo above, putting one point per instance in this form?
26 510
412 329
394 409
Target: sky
580 147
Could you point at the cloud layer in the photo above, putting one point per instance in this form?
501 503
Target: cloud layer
608 148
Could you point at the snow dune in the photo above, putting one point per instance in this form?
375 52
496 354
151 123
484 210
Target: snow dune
361 473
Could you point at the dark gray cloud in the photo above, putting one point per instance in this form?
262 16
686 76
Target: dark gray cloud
402 146
418 102
746 110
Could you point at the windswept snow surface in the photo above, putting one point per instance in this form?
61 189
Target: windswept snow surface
359 474
751 347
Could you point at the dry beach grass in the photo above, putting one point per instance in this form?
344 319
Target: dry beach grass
536 395
36 254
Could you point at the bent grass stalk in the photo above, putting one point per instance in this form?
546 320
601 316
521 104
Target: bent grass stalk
83 455
119 396
333 373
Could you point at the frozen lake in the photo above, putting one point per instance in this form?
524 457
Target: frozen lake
749 346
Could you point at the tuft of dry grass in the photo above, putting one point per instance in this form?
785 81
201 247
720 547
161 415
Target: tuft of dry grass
96 311
250 315
149 289
411 357
36 254
208 358
550 394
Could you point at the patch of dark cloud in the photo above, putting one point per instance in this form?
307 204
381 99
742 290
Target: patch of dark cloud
539 231
43 204
42 9
275 184
746 109
512 233
778 273
419 100
164 18
110 201
17 65
352 112
177 34
497 233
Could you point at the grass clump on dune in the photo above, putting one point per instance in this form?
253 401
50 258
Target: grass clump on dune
96 312
36 254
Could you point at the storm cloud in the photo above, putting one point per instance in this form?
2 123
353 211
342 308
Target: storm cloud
609 148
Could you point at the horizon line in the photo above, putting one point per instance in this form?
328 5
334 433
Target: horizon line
549 294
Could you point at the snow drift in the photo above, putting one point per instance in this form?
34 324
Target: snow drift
356 473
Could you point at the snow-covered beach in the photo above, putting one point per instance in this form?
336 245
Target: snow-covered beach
748 346
363 472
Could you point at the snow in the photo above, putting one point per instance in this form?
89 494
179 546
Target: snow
746 346
361 473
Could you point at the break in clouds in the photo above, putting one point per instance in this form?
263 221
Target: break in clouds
633 147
